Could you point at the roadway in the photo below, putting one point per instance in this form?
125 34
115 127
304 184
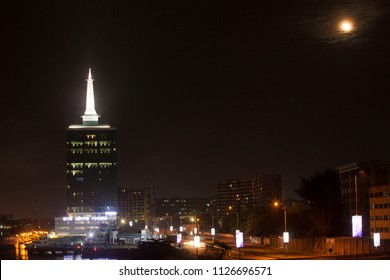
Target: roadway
251 251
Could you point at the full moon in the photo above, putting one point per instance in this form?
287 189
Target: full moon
346 26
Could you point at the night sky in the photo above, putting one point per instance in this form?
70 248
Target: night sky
199 91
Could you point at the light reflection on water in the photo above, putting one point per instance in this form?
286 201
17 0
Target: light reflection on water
22 254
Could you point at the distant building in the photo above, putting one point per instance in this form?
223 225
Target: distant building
91 190
259 191
185 212
184 206
380 210
91 162
135 205
357 180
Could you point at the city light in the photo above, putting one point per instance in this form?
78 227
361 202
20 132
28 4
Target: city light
377 239
286 237
178 238
239 239
197 241
357 226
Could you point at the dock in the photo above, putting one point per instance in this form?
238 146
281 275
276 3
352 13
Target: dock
55 250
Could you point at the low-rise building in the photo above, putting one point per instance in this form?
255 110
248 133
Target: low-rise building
380 211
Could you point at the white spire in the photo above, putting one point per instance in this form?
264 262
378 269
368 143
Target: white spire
90 116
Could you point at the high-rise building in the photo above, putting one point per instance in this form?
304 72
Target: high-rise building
357 180
91 162
259 191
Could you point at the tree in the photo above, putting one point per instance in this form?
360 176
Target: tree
322 192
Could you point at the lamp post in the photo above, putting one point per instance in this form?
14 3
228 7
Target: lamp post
212 227
194 226
171 226
286 237
357 229
237 218
376 235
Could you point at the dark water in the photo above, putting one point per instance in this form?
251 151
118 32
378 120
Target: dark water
19 252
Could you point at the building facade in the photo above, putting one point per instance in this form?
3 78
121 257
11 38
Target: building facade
380 210
259 191
184 206
91 162
357 180
135 206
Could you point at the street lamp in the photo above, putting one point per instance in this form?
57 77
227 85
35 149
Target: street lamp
237 228
285 233
212 227
357 230
171 226
376 235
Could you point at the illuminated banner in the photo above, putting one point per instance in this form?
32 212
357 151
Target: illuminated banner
178 238
239 240
286 237
377 239
212 231
197 241
357 226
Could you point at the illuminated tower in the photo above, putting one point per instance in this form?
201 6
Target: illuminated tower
91 162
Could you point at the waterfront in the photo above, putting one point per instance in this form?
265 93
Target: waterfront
18 251
161 249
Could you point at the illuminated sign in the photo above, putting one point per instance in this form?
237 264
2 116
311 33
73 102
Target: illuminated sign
197 241
239 240
178 238
103 218
357 226
286 237
82 218
377 239
213 231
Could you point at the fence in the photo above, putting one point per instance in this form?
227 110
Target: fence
338 246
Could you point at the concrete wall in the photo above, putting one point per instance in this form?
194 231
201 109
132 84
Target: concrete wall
340 246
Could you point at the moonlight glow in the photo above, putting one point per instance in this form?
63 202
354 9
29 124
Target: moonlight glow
346 26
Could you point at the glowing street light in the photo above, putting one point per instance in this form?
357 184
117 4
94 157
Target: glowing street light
237 217
286 237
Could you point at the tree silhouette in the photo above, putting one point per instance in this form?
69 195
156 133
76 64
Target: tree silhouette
322 192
